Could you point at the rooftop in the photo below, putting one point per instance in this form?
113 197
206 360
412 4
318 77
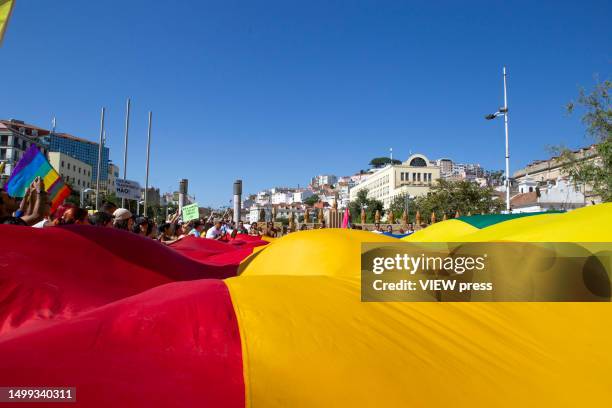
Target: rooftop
15 124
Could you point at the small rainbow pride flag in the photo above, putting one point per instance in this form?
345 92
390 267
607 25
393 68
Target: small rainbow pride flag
34 164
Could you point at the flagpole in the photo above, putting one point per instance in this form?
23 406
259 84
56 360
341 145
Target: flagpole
148 156
125 145
99 160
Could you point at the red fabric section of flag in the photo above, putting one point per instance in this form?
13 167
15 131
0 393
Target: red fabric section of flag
56 273
176 345
218 254
63 194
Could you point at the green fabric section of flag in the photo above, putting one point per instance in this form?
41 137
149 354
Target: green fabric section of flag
486 220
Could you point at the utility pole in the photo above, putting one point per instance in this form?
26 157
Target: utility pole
100 147
125 144
148 158
505 111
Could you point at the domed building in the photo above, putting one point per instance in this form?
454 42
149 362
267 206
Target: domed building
414 177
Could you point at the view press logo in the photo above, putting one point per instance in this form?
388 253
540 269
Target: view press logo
495 271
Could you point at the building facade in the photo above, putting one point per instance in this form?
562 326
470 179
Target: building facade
545 172
74 172
154 197
109 185
83 150
413 177
302 194
323 179
459 171
561 195
16 137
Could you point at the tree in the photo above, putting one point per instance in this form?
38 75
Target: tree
448 197
399 203
379 162
112 198
496 177
369 204
596 174
312 200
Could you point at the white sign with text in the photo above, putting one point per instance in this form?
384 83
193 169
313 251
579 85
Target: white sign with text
127 189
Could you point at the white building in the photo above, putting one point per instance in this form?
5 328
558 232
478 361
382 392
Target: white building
361 177
323 179
414 177
300 195
16 137
343 191
263 197
282 197
74 172
560 195
459 171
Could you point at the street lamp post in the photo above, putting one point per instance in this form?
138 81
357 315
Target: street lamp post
504 111
83 192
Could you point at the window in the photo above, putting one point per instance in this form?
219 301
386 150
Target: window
418 176
62 163
402 176
68 166
2 154
4 140
79 182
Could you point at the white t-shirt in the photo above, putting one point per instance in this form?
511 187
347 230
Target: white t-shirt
213 233
42 224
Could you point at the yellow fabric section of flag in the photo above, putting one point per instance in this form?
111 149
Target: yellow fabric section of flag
50 178
587 224
445 231
308 340
6 7
334 252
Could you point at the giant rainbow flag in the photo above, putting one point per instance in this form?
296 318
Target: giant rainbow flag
132 323
34 164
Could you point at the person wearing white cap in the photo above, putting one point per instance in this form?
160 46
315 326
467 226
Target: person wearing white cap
123 219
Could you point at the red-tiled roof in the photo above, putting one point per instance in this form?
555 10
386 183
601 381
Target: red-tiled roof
524 199
16 125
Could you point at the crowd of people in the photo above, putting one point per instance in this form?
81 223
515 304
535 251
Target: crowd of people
35 210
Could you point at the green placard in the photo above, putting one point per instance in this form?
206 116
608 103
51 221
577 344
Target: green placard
191 212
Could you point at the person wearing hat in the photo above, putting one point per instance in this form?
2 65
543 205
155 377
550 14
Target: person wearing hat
123 219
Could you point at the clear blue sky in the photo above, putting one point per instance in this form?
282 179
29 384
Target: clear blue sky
276 92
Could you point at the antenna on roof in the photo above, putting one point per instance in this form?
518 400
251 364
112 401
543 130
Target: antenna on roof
53 125
391 154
